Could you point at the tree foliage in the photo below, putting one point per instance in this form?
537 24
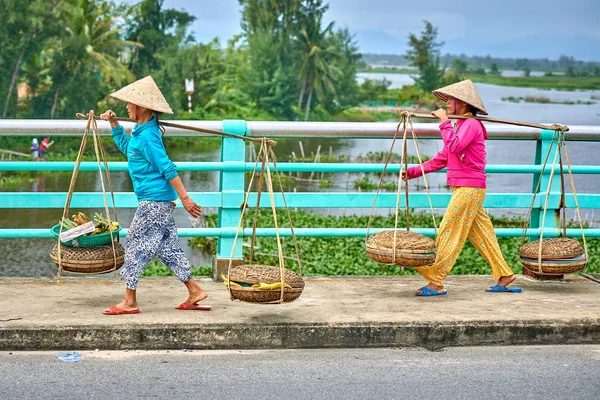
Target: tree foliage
424 53
60 57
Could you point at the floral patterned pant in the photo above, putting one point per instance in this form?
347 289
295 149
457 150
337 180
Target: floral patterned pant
465 219
153 234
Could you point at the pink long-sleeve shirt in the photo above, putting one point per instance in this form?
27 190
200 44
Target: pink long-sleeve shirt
463 154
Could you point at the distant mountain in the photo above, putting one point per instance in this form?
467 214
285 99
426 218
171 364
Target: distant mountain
580 47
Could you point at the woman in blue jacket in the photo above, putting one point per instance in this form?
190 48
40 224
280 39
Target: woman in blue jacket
157 185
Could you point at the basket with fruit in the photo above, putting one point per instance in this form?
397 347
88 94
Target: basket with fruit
82 231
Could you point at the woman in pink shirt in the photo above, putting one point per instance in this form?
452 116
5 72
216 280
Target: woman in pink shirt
464 158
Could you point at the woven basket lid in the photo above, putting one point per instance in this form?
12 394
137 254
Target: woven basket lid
253 274
463 90
404 240
144 92
556 248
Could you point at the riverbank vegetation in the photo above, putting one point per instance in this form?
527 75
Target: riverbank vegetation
545 100
548 81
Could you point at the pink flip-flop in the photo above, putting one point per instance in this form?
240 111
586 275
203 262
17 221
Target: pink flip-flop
189 306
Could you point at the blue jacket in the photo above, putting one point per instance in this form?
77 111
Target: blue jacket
149 166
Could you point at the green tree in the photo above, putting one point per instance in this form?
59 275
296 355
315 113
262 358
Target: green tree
24 30
84 60
494 69
317 72
424 53
374 89
201 62
270 76
459 66
348 62
156 29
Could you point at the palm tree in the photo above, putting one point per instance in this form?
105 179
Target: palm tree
316 72
90 49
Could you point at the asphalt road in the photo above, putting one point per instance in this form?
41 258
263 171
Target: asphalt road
536 372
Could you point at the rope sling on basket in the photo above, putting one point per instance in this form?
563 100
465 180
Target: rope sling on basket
401 248
95 254
555 256
264 283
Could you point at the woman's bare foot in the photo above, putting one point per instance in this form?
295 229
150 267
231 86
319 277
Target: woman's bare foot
196 294
129 303
506 280
194 298
431 286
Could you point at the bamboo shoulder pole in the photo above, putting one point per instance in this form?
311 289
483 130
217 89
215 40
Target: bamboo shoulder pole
191 128
553 127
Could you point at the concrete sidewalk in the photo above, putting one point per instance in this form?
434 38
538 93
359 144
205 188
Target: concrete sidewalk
39 314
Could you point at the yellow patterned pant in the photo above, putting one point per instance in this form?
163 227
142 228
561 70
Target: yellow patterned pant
465 219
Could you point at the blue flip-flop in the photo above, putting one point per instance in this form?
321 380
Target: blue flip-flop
503 289
430 292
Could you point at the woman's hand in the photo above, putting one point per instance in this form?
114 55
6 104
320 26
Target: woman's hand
404 176
110 116
441 114
190 205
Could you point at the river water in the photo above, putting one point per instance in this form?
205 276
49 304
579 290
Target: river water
30 257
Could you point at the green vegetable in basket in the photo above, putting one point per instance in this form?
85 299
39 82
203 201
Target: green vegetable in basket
67 224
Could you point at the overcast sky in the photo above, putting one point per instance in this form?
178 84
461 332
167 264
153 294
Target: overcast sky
509 28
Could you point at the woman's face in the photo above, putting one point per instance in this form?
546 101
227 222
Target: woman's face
456 106
132 111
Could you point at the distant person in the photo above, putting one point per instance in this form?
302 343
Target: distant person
44 146
35 149
464 155
157 185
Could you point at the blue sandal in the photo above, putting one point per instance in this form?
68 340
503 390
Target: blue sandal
430 292
503 289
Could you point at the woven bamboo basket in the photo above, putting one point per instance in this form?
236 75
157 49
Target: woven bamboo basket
559 256
89 260
252 274
412 249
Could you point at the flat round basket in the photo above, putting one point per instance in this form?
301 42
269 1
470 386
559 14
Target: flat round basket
100 239
412 249
89 260
253 274
555 248
555 267
559 256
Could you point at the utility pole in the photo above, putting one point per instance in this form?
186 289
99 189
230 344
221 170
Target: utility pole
189 89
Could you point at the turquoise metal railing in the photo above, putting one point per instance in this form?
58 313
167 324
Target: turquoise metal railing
232 168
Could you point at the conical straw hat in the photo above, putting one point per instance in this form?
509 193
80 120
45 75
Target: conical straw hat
465 91
144 92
